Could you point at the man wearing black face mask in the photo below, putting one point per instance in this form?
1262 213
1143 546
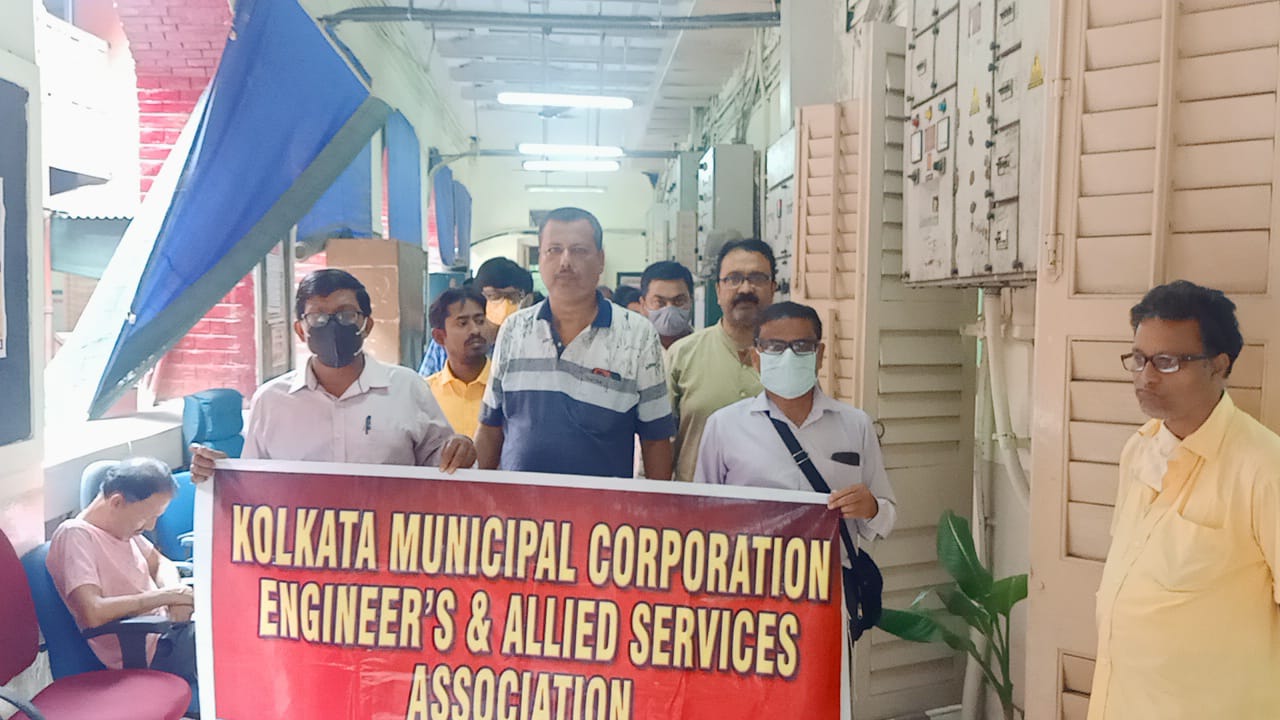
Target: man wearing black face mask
344 406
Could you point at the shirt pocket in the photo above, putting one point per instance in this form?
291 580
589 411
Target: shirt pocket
600 422
1186 555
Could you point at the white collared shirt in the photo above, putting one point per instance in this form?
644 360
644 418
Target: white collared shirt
740 446
387 417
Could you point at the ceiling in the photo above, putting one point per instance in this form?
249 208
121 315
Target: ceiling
665 72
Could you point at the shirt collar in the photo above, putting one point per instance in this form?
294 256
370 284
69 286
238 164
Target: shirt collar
481 379
603 318
374 375
1206 441
822 404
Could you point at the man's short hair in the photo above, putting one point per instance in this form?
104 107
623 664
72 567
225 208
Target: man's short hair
1212 310
625 295
665 270
503 272
573 214
138 479
325 282
750 245
787 309
439 311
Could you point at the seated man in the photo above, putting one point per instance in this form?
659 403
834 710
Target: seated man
106 570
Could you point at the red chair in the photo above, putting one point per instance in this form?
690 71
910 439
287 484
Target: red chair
102 694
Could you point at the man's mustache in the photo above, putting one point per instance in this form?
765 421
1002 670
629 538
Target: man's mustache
746 297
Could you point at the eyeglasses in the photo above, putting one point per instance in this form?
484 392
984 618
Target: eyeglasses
657 302
804 346
344 317
1163 362
757 279
492 295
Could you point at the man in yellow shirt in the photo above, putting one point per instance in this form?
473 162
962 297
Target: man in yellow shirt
457 321
1188 614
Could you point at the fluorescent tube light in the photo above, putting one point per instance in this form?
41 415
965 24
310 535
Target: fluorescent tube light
564 188
602 102
571 165
586 151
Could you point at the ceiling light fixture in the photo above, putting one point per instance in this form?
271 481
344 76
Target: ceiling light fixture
585 151
564 188
601 102
572 165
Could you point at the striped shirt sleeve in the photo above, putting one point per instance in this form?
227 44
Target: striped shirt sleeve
654 411
491 404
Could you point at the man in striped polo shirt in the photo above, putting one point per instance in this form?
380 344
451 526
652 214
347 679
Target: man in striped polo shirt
573 380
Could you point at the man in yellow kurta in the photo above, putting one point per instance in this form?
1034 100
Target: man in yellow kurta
1188 613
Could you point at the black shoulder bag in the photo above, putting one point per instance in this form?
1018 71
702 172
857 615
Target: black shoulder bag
863 584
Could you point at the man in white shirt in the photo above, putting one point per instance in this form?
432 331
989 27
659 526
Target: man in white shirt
741 446
343 405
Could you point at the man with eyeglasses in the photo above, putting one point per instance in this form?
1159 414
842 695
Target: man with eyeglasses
574 379
666 298
741 445
506 287
713 367
1189 605
344 406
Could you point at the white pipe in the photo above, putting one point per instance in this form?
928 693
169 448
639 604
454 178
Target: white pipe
973 699
993 331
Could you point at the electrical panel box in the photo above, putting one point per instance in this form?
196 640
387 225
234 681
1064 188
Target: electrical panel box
726 200
779 206
681 204
975 95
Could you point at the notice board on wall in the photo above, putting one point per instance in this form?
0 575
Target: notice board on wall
15 329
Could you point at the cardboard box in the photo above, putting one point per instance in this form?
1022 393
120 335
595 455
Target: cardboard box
395 274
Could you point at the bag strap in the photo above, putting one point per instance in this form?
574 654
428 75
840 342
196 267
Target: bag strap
815 478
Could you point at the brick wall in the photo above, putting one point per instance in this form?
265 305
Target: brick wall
176 45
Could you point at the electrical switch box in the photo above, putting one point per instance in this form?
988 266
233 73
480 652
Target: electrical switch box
726 200
976 86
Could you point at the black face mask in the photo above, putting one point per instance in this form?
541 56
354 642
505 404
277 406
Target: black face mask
336 345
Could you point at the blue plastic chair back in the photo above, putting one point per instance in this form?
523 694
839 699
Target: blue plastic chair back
69 652
232 446
178 519
91 480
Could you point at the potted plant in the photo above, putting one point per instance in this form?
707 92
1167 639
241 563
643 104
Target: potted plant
974 602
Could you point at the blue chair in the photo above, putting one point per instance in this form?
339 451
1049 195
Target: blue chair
213 418
69 652
174 526
91 480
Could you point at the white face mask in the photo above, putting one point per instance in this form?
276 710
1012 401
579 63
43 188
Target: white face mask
787 374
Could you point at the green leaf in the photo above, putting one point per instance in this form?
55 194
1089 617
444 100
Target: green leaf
958 556
959 604
914 625
1005 594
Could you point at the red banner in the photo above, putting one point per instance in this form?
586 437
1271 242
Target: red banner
496 596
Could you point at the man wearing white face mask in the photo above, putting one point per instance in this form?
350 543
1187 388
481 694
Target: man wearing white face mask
666 298
742 446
